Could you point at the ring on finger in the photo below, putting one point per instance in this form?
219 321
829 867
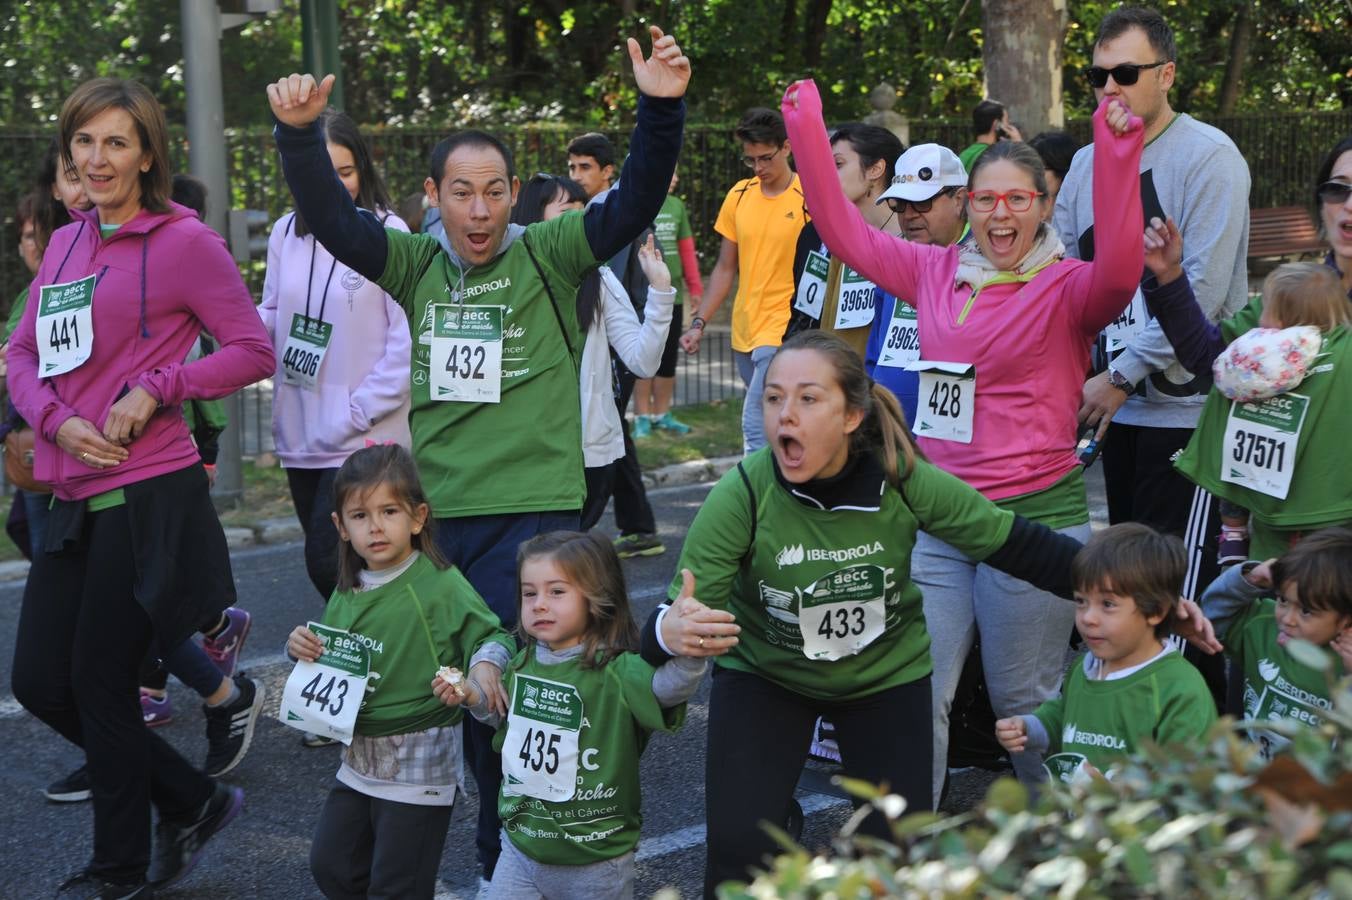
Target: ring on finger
701 643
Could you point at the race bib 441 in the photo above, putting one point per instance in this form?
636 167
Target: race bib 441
65 326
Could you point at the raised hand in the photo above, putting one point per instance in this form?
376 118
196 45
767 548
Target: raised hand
1163 250
802 96
297 100
666 73
650 260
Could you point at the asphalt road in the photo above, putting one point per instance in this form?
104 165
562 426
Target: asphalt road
265 852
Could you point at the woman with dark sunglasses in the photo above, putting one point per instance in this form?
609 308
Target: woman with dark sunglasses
1005 324
1282 458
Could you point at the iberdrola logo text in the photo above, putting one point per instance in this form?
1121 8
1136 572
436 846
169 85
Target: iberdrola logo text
1073 735
793 554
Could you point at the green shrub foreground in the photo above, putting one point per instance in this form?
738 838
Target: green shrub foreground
1208 820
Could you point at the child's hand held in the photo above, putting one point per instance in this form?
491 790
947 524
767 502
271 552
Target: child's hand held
1012 733
304 644
448 693
486 678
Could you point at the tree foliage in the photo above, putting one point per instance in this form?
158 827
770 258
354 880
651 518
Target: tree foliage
425 62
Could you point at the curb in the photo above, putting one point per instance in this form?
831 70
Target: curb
694 471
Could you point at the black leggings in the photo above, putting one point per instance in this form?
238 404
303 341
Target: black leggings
77 660
759 734
312 493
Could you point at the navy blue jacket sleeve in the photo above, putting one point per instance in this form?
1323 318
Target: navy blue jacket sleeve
1196 341
638 196
354 236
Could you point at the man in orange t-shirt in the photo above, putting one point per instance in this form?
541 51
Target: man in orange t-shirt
759 224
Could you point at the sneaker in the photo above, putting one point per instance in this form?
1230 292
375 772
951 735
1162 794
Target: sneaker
317 740
91 887
643 426
230 727
178 845
629 545
225 647
74 788
668 422
155 711
1233 546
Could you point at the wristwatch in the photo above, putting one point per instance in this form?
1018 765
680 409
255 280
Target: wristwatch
697 322
1119 381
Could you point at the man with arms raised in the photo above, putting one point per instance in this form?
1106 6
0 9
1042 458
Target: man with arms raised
495 410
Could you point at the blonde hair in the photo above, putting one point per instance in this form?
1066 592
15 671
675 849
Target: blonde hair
1306 293
884 430
589 561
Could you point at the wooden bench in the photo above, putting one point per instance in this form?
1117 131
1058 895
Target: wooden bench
1282 231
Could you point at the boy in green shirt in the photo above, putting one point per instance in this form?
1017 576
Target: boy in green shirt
1257 609
1131 685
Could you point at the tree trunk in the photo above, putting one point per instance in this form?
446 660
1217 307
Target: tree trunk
814 32
1021 55
1241 32
788 28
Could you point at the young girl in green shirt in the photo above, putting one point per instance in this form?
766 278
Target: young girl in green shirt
383 825
581 707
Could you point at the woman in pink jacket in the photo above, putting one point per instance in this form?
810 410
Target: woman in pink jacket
134 559
1006 324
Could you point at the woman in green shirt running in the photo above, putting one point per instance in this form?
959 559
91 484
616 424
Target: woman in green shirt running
807 545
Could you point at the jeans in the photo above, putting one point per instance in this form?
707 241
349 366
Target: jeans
1024 636
752 367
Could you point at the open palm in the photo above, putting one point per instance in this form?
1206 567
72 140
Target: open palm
664 74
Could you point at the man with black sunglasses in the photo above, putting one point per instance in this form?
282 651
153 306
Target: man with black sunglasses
1194 173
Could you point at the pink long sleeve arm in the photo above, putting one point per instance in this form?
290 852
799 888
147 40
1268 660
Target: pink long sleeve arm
34 397
890 262
1103 288
690 267
226 310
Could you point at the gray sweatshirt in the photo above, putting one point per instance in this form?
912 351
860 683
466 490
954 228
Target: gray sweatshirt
1194 173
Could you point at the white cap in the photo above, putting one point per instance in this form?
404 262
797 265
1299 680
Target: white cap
924 171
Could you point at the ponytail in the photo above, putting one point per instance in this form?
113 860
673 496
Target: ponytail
884 430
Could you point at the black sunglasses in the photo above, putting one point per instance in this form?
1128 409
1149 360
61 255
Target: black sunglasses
1333 192
1125 74
898 205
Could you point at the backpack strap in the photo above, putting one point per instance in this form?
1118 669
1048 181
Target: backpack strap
554 304
750 499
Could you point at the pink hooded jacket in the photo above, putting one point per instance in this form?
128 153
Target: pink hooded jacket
1029 341
162 279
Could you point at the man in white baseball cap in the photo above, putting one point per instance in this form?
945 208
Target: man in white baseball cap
928 193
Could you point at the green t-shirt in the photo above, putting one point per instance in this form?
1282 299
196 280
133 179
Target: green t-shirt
424 619
524 453
596 723
1165 701
1320 491
1060 505
970 154
1276 686
829 578
16 313
671 225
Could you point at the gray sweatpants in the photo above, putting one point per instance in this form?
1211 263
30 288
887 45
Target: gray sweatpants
1024 636
518 877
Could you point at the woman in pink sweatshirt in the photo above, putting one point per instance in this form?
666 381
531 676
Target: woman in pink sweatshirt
134 558
1006 324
